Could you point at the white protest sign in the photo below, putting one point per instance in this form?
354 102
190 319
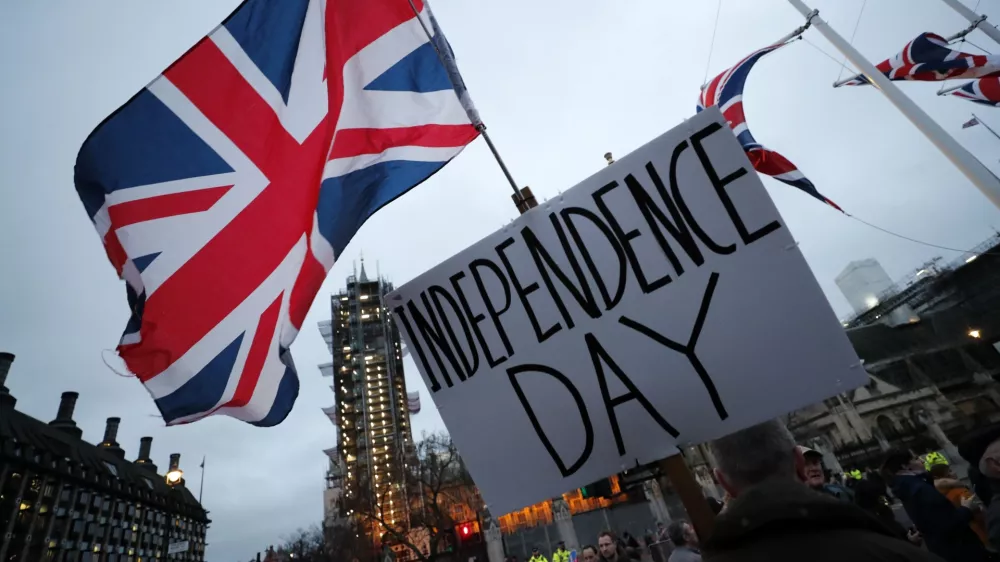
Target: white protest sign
660 302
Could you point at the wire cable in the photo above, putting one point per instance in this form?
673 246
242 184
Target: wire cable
828 55
976 46
711 45
914 240
854 33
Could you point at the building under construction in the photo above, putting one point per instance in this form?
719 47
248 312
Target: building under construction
934 370
370 409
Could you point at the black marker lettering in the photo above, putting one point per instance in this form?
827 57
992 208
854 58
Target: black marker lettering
600 356
470 362
624 238
581 407
474 320
544 262
609 301
701 234
720 187
653 214
434 338
523 292
688 350
490 307
401 313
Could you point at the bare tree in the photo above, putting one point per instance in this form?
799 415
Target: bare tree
334 544
437 486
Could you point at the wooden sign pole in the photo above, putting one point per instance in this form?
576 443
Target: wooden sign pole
524 200
677 471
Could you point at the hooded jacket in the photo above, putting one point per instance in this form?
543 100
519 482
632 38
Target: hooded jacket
945 527
785 521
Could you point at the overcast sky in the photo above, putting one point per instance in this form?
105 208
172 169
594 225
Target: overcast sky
558 82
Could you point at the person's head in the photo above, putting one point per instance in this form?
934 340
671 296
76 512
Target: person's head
939 471
989 464
560 545
814 476
535 552
869 494
681 533
900 461
660 526
608 545
589 554
762 452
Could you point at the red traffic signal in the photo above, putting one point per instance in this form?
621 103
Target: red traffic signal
467 532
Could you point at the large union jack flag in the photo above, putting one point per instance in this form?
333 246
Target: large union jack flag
928 58
726 91
985 91
225 190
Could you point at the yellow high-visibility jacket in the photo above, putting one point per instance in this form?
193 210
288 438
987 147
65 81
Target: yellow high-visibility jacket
538 558
560 556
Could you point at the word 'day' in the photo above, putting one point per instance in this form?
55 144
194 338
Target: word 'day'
660 302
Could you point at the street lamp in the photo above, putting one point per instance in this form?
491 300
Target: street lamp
174 474
975 334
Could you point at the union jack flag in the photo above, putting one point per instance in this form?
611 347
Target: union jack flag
225 190
726 91
928 58
985 91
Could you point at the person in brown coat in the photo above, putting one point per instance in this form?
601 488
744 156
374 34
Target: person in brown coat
774 517
947 482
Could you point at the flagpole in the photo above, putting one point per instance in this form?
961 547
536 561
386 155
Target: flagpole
201 488
983 123
973 169
520 199
947 91
784 39
975 20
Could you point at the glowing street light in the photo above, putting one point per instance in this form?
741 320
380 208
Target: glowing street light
975 334
174 473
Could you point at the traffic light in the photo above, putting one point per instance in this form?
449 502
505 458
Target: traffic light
468 532
599 489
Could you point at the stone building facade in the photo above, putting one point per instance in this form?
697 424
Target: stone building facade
931 378
62 498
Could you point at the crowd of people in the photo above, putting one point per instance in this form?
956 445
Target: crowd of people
782 505
626 548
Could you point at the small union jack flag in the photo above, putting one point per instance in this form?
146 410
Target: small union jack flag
928 58
726 91
225 190
985 91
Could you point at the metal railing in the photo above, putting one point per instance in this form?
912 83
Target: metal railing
904 289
